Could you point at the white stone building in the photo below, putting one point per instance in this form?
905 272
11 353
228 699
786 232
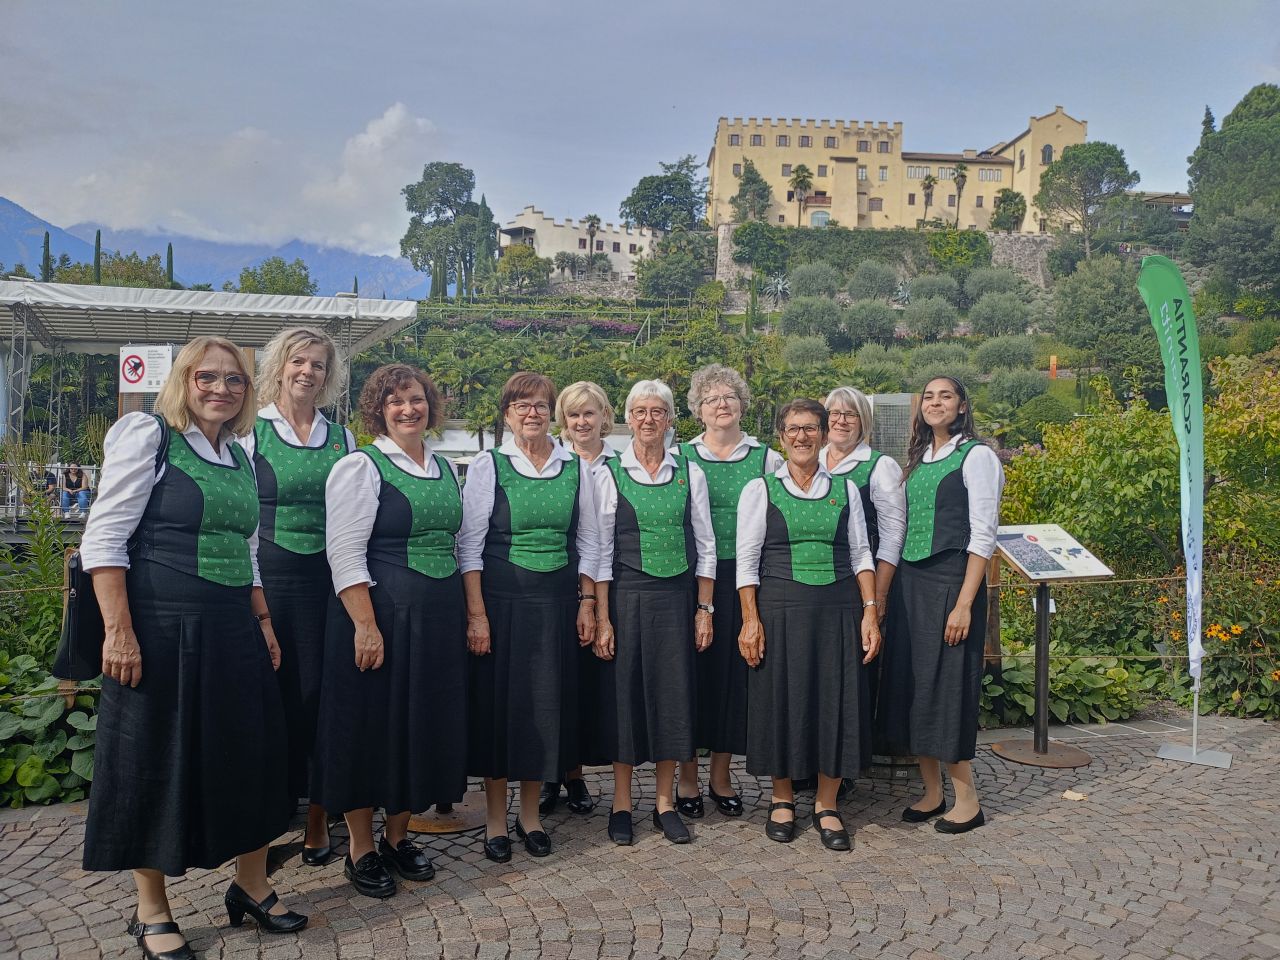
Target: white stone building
622 244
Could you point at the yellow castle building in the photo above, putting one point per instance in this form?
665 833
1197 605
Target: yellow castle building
862 176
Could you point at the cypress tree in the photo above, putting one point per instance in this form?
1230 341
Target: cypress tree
46 261
355 285
168 265
97 257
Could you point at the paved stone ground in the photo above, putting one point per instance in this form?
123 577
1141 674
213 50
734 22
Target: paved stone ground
1161 860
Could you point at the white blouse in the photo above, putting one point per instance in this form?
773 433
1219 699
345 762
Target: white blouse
284 429
887 495
700 509
772 458
351 506
753 509
478 497
984 482
125 483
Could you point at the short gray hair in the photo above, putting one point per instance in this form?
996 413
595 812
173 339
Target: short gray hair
855 399
284 345
651 388
708 377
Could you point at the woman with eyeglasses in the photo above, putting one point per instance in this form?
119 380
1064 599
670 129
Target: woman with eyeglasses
189 766
848 453
730 459
809 626
528 552
293 447
953 486
653 606
393 708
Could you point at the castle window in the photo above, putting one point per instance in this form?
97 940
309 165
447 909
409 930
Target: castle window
806 141
992 176
735 139
757 139
783 140
633 248
1022 159
617 247
911 199
737 169
819 218
951 200
884 174
883 146
977 201
782 218
822 169
786 169
875 204
1046 154
829 143
599 246
582 243
862 173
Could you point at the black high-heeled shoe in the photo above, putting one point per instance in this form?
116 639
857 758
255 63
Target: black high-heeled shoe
239 903
141 931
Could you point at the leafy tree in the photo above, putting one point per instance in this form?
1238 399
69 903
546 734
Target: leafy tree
676 274
959 251
999 313
754 196
1010 353
986 280
700 244
966 373
274 275
801 352
1129 219
1016 387
762 246
600 265
17 270
1100 297
871 321
930 318
961 178
873 280
1032 416
877 377
1078 183
1244 247
815 280
521 270
1235 165
926 187
1009 210
935 285
593 227
812 316
446 227
1207 124
937 355
801 183
118 270
677 197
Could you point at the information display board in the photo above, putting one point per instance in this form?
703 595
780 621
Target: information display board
143 369
1044 551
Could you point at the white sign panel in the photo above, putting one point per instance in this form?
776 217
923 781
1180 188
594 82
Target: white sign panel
1044 551
143 368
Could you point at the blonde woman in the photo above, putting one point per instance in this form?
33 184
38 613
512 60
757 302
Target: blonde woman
188 769
294 446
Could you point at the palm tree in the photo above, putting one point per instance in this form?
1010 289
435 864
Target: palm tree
801 183
927 185
778 289
564 260
593 226
961 178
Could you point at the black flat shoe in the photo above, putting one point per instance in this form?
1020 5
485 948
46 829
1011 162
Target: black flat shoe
549 797
780 830
691 806
141 931
239 903
672 826
730 806
831 839
535 841
407 859
912 815
581 801
950 826
498 849
370 876
620 828
317 856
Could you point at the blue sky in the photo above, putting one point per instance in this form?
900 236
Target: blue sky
269 120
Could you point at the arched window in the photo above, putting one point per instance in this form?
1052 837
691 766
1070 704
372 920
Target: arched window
1022 159
1046 154
819 218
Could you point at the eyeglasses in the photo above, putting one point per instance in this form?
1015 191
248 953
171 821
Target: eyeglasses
728 399
658 413
208 380
523 409
808 429
848 416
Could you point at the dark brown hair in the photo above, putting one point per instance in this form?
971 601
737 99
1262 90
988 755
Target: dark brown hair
385 381
922 433
522 386
802 405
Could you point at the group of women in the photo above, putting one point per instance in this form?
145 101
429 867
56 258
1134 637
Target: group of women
357 627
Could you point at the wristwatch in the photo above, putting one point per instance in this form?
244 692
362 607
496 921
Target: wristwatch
868 603
708 607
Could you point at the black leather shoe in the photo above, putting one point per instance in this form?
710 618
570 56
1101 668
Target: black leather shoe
549 797
691 806
407 859
730 805
831 839
912 815
672 826
140 931
498 849
620 828
950 826
535 841
581 801
317 856
370 876
784 831
239 903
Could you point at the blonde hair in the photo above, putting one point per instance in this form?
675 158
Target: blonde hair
284 345
171 402
856 400
584 393
706 378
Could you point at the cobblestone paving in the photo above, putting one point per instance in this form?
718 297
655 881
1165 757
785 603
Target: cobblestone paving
1161 860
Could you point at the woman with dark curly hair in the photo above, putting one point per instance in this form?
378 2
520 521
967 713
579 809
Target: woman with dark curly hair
392 730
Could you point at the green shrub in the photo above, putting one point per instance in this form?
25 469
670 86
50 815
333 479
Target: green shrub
1081 690
937 354
966 373
871 322
46 747
879 353
877 377
996 314
930 318
959 251
815 280
935 285
984 280
801 352
1031 417
1011 353
812 317
1016 387
873 280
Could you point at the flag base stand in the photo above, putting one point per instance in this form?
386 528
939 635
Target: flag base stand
1193 753
451 818
1057 756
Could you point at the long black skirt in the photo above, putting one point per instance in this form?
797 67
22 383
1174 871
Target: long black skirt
298 588
722 673
592 751
523 695
892 687
395 737
946 681
187 768
648 691
808 700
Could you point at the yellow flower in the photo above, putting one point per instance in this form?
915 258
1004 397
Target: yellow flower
1259 581
1176 634
1236 629
1257 643
1275 676
1235 696
1176 615
1162 599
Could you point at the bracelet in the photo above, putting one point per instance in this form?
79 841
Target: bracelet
586 598
868 603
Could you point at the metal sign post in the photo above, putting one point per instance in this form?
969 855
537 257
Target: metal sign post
1043 554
